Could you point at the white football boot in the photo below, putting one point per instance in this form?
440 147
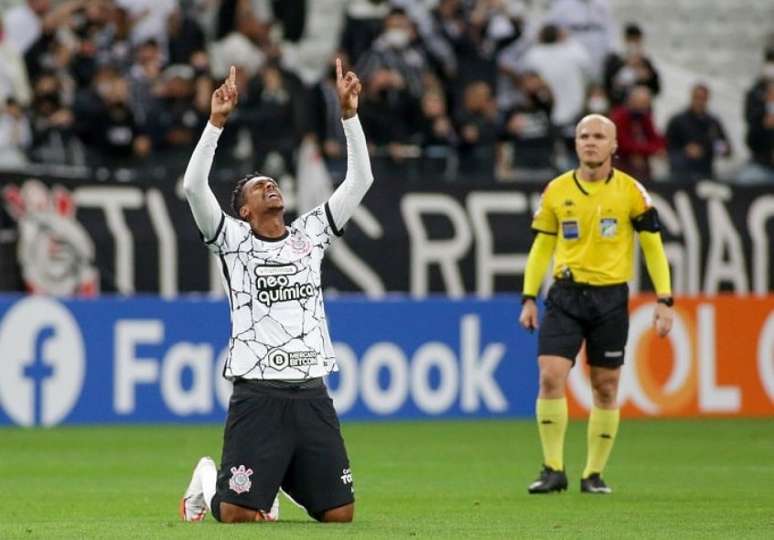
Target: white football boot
192 505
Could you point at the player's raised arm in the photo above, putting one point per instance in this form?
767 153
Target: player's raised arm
206 210
359 176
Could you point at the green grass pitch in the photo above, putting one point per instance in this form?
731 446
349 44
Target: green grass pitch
466 479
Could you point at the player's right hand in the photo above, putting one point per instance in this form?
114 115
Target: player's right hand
224 99
529 315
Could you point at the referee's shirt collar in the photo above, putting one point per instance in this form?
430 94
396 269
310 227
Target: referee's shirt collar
580 186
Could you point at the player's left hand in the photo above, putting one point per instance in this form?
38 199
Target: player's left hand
662 319
224 99
348 88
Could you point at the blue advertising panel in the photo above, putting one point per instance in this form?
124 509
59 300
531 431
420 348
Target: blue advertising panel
115 360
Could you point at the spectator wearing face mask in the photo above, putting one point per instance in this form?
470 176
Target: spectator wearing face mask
631 68
597 101
396 49
53 136
638 139
364 21
759 117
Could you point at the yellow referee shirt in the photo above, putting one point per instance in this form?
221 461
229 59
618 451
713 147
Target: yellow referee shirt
593 225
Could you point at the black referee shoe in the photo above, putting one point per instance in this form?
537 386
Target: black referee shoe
548 481
594 484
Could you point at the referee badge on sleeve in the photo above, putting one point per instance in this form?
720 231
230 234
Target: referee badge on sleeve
570 230
608 227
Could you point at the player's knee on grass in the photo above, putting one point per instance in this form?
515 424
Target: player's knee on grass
231 513
341 514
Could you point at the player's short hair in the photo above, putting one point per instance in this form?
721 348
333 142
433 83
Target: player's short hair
238 195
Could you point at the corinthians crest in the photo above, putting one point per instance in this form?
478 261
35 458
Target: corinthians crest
55 253
240 479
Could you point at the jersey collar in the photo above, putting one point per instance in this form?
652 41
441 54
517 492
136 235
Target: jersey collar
580 187
268 239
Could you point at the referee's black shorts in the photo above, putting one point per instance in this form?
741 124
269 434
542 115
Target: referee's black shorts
577 312
286 437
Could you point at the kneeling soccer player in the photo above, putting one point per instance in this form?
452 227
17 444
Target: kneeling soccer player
282 431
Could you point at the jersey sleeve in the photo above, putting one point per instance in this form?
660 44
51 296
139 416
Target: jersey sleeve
544 219
229 236
639 200
347 197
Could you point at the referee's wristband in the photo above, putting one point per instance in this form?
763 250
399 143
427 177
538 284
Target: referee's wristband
667 301
525 297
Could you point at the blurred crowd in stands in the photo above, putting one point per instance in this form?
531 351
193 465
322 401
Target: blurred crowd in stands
471 88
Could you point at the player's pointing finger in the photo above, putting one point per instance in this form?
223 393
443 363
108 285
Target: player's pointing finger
232 75
338 69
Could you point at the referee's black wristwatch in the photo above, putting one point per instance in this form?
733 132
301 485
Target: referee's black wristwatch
667 301
525 297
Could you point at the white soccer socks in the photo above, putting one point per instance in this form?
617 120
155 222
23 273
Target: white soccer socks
196 500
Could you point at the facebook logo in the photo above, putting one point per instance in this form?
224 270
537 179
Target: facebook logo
42 362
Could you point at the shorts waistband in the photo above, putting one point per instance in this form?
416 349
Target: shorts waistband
303 389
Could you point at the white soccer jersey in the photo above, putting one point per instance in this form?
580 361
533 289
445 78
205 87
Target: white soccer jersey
278 324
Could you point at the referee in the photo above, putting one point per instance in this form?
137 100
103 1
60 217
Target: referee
586 220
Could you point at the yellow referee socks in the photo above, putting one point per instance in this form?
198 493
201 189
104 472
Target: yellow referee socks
552 423
603 426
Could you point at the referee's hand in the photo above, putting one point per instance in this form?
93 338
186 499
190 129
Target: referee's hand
529 315
662 319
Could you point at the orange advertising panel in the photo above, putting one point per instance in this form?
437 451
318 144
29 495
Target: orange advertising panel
718 360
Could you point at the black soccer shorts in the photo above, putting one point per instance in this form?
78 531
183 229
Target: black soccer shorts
597 314
283 437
